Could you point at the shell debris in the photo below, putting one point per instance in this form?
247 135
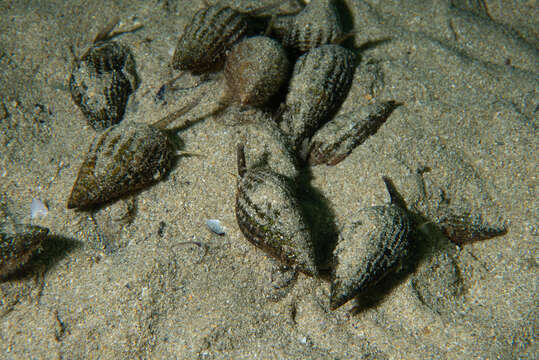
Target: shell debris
38 209
215 226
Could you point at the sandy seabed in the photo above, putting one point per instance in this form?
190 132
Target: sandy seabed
145 278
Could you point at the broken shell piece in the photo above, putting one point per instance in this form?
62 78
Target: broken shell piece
38 209
371 244
215 226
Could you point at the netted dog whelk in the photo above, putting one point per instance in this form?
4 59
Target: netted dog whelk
129 157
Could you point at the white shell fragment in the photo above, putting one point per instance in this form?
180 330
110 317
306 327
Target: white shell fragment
38 209
215 226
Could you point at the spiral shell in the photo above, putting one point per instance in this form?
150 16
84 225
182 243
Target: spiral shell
101 82
369 246
317 24
121 160
255 70
18 242
205 40
320 82
339 137
269 216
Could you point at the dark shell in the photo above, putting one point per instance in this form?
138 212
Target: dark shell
269 216
255 70
465 228
101 82
18 242
121 160
339 137
317 24
205 40
320 82
370 245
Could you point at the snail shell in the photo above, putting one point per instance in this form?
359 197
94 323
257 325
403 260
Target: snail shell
320 82
317 24
255 70
268 146
101 82
269 216
339 137
369 246
121 160
205 40
18 242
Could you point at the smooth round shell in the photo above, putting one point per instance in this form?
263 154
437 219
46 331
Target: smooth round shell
211 32
255 70
369 246
121 160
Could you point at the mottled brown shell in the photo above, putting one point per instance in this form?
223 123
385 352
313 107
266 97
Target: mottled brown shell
320 82
101 82
317 24
369 246
339 137
255 70
121 160
269 216
18 242
205 40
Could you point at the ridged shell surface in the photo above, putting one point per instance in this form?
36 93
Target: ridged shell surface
211 32
339 137
18 242
320 82
121 160
369 246
101 82
255 70
317 24
269 216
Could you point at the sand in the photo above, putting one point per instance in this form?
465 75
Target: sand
145 278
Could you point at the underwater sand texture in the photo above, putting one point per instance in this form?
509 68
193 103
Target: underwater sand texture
145 278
